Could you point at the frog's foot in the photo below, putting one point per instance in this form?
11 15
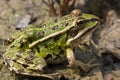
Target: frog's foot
87 67
76 64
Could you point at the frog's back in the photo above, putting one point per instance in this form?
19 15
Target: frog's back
53 27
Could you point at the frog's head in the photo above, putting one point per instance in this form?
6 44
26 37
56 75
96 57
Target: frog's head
84 23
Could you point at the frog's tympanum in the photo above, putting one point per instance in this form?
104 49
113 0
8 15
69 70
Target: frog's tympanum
51 43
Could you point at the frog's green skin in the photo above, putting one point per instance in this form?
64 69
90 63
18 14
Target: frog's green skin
50 43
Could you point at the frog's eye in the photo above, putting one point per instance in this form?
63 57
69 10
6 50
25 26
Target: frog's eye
80 21
76 12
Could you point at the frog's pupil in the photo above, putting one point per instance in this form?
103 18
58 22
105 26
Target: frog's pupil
80 22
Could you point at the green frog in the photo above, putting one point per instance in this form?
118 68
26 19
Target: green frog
51 43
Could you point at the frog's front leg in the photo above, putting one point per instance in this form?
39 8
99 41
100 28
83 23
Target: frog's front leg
77 63
71 58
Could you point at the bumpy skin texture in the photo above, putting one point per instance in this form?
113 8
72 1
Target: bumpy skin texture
50 43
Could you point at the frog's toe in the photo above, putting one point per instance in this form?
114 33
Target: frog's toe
87 67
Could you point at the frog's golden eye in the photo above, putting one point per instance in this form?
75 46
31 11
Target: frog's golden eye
77 12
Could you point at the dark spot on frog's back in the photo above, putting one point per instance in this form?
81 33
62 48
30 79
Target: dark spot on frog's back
7 61
21 71
46 46
41 34
40 26
48 56
55 27
25 66
21 41
56 20
32 52
66 24
21 51
17 58
28 60
30 57
12 46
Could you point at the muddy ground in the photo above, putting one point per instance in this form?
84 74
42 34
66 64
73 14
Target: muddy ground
106 40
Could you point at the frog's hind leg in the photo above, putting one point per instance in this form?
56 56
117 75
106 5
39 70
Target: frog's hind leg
20 69
16 67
